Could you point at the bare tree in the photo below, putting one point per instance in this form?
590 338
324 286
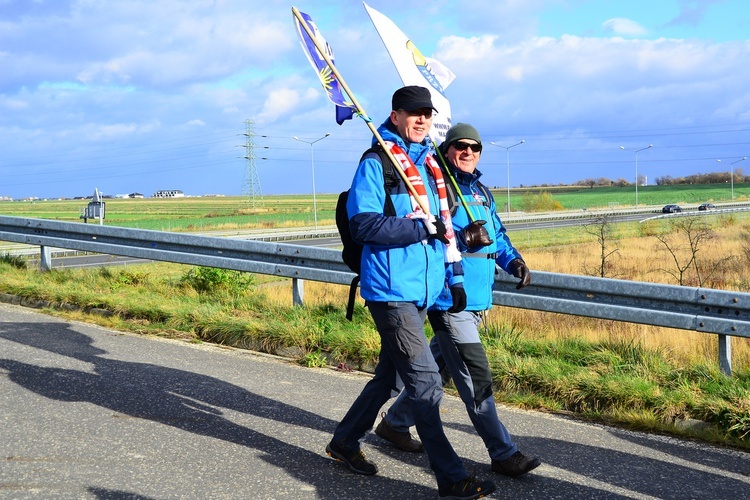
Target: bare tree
602 229
683 242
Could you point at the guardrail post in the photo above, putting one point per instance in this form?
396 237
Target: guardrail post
45 258
298 291
725 354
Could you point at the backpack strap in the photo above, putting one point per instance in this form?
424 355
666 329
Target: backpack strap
486 192
352 296
391 179
452 195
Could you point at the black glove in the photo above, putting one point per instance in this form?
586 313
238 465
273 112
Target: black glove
458 294
519 270
475 235
440 231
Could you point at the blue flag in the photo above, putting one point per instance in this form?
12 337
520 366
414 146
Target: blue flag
345 109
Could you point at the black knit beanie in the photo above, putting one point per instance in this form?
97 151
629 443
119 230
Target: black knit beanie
457 132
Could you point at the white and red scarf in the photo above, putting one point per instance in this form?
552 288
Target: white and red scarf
452 254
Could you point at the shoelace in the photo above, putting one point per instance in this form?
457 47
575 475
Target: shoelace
468 482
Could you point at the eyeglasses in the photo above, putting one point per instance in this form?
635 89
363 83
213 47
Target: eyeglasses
463 146
426 112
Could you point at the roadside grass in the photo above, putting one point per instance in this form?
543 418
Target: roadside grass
613 378
13 260
620 382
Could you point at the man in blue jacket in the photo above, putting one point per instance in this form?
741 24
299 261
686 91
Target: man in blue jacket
456 344
406 264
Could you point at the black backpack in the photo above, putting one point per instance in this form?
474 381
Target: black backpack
352 251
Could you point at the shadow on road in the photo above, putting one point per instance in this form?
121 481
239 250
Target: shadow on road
185 400
199 404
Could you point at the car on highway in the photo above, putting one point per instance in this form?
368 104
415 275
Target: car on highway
706 206
671 209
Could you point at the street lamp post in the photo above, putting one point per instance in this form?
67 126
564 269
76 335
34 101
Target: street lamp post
731 175
636 151
507 165
312 166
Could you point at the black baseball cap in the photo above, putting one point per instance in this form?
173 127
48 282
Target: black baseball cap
412 97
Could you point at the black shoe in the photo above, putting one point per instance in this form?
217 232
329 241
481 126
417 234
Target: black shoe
355 460
401 440
468 489
517 465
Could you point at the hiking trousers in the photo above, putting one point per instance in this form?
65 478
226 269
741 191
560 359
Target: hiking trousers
459 354
404 357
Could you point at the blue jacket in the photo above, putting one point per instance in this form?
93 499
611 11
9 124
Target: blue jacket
399 262
479 264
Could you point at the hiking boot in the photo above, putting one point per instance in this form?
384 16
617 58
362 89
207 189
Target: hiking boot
401 440
355 459
517 465
466 489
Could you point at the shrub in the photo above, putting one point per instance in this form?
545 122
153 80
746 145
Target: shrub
212 279
314 360
14 261
542 202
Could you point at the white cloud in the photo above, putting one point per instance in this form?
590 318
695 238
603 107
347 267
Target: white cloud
470 49
103 132
12 104
282 102
625 27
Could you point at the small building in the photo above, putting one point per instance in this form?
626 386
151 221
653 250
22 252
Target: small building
169 193
95 208
135 195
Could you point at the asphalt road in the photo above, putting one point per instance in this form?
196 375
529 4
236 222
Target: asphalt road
87 412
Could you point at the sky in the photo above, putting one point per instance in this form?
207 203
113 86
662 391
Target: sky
138 96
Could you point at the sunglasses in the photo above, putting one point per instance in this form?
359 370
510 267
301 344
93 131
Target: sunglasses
463 146
426 112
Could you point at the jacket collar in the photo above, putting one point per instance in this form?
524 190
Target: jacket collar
464 177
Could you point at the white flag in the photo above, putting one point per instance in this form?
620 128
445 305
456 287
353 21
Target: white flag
416 69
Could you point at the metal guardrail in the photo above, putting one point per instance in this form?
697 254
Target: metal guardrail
719 312
291 261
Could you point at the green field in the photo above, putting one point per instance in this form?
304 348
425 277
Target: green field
576 198
198 214
184 214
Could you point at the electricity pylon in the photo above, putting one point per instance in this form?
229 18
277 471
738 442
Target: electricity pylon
251 182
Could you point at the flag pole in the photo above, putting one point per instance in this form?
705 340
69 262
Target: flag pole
360 110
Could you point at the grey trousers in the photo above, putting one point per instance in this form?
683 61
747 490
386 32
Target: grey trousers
459 354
